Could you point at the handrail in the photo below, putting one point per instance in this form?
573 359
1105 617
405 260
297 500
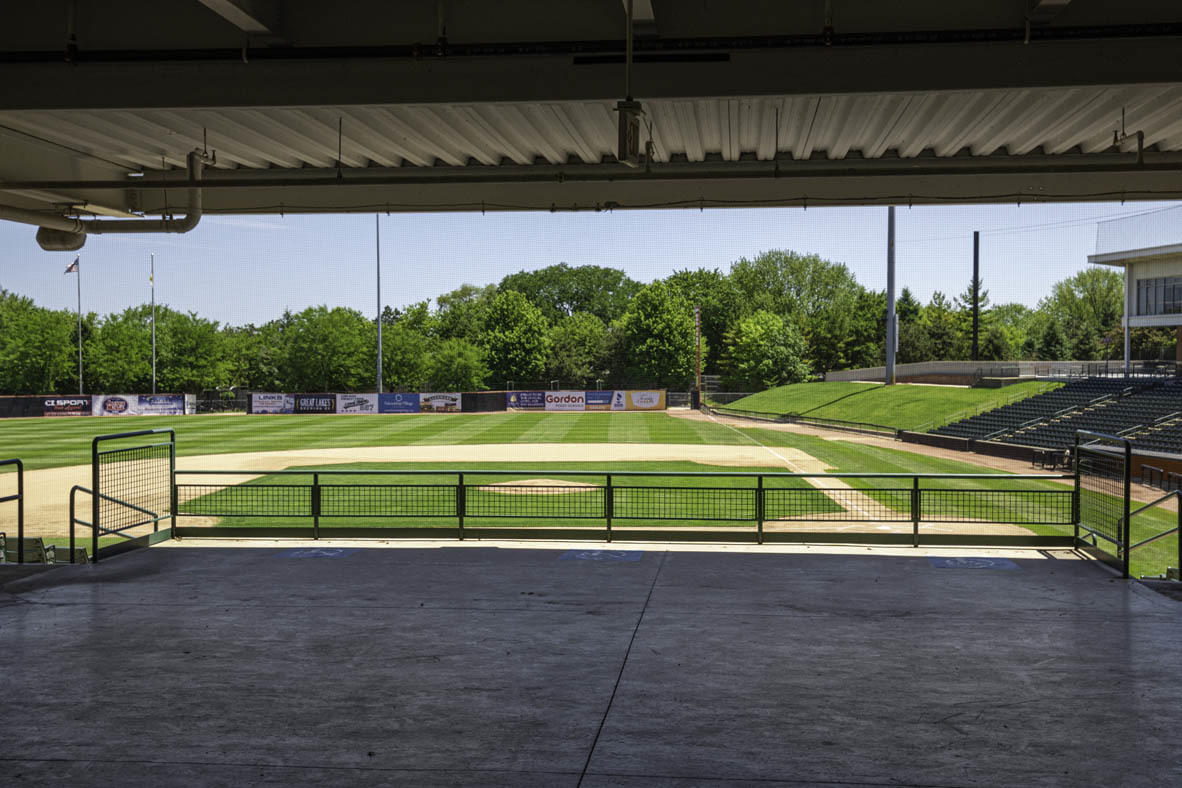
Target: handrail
660 474
1177 529
19 498
97 529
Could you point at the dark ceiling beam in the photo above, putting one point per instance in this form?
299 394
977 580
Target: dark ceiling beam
375 81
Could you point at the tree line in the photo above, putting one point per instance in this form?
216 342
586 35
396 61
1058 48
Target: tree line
780 317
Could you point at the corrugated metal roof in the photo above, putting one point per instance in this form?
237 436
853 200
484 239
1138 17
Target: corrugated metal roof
834 127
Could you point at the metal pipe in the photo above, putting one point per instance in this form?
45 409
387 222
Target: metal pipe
195 162
50 221
628 54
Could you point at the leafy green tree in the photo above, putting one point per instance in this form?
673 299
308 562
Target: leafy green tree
940 324
190 353
818 296
721 305
561 290
1090 301
331 350
37 348
654 339
119 354
996 344
404 358
514 338
461 313
907 306
578 349
417 317
762 351
865 344
1051 344
963 312
456 365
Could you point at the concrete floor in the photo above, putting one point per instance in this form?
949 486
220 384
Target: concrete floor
485 666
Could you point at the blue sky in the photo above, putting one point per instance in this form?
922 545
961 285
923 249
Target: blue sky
248 269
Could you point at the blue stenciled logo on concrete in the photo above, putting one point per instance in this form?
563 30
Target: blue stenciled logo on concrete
601 555
973 563
318 552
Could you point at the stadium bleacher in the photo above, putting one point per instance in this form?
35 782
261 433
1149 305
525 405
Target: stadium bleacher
1007 418
1131 416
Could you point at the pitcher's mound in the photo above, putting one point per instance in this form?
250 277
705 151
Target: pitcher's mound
538 487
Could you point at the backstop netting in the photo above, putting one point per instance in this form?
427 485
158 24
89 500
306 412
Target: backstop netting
1104 471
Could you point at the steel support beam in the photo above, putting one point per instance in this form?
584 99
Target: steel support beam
277 80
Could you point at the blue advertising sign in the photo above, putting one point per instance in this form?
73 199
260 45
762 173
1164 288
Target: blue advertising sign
599 400
162 405
398 403
525 400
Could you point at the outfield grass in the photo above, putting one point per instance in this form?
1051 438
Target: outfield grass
902 407
730 495
47 443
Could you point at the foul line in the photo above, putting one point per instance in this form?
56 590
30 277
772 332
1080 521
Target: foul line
793 468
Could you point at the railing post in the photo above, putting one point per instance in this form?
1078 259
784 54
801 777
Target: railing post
173 497
95 502
1075 500
461 504
20 512
609 505
1127 531
73 495
759 512
915 511
315 506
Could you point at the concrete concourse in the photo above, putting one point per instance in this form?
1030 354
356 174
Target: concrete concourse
473 665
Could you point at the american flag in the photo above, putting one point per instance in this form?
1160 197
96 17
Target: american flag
73 268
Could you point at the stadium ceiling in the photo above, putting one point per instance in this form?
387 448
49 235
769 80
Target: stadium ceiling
368 105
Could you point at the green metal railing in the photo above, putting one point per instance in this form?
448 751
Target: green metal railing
19 500
701 498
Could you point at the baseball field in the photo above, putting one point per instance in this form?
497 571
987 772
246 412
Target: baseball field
541 446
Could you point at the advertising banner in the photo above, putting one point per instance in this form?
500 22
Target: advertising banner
599 400
315 403
646 400
66 406
398 403
190 404
566 400
619 400
525 400
161 405
272 403
357 403
115 405
440 403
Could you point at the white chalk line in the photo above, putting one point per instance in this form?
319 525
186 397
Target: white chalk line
790 466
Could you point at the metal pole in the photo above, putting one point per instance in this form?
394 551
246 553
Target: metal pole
609 505
892 327
1127 531
377 224
152 279
79 272
1128 311
976 292
698 335
915 511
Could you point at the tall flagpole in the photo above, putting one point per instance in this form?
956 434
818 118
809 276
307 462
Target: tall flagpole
152 279
78 262
377 224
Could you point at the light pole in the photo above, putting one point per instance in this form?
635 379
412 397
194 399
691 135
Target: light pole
152 279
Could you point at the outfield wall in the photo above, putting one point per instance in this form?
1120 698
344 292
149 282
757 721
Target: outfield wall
99 405
262 402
